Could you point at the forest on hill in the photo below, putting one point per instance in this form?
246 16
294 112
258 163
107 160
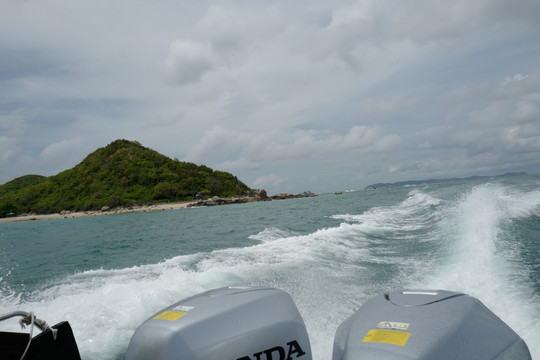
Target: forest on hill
123 173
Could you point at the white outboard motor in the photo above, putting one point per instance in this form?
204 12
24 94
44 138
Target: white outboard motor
426 325
235 323
260 323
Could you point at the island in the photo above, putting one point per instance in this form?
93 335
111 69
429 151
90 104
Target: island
122 177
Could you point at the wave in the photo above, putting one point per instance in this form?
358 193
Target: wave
464 242
485 258
271 234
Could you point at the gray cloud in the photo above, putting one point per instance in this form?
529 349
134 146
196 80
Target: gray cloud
187 62
284 95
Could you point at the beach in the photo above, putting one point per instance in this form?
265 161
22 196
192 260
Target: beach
153 207
115 211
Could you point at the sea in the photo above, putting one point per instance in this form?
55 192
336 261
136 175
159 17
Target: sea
332 252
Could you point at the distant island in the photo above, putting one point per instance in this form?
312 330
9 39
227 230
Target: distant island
121 174
436 181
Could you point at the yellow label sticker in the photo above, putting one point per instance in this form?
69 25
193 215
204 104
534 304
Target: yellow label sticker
170 315
387 337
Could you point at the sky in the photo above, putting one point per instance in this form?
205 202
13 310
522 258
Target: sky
289 96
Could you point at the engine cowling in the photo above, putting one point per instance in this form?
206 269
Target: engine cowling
236 323
426 325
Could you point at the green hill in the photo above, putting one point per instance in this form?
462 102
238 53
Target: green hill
122 173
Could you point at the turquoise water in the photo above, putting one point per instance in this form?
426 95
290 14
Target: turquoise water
107 274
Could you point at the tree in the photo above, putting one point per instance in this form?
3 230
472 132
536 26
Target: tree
8 207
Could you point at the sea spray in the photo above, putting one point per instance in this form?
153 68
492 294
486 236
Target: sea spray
484 259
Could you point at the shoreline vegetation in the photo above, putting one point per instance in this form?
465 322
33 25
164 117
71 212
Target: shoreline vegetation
123 174
123 177
215 201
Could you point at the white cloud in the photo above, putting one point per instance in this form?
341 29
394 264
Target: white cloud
234 27
217 143
517 77
65 153
269 181
295 89
222 39
369 139
12 124
255 150
8 150
187 62
527 109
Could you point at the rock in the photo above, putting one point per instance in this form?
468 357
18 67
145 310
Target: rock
283 196
259 196
105 208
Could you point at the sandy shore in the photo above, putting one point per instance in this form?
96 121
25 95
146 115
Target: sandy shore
154 207
73 214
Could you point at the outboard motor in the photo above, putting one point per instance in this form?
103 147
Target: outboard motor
235 323
426 325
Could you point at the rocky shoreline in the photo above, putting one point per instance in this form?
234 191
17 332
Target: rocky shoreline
215 201
259 196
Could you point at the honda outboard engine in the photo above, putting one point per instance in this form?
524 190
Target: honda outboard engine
235 323
426 325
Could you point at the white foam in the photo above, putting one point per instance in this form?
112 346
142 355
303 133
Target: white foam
484 263
272 233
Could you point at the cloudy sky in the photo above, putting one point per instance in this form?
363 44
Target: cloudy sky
288 95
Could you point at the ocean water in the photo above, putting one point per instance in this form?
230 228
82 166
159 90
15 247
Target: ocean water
107 274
